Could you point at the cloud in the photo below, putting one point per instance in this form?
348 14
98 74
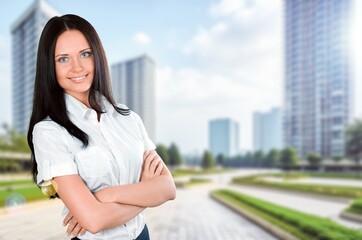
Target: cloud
142 38
5 80
189 98
240 59
226 7
4 47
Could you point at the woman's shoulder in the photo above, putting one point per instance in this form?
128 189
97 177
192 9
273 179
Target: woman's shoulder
47 124
132 115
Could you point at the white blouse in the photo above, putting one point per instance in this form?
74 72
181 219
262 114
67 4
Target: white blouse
114 155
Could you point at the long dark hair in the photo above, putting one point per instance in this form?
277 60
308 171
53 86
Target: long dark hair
49 96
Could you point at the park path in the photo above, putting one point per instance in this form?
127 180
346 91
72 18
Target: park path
193 215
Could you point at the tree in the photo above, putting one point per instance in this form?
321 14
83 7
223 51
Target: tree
354 141
208 160
12 141
174 155
220 159
273 158
288 158
163 153
314 159
258 158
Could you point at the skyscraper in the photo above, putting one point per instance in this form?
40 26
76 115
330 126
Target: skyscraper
224 137
267 132
25 33
317 75
133 84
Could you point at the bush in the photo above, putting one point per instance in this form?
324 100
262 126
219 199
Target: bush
312 227
341 191
356 206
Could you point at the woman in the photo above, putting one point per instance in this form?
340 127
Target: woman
96 154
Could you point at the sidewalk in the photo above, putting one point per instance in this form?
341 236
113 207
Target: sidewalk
192 216
37 220
320 206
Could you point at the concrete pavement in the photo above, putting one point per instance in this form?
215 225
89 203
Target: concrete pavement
192 216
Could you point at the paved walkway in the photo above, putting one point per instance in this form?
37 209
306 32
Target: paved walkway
192 216
36 220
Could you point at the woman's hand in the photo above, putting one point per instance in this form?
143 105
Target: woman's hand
73 228
152 165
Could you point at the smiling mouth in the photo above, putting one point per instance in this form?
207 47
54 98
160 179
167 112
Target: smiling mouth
78 79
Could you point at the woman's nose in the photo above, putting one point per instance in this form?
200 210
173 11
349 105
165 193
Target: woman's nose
77 65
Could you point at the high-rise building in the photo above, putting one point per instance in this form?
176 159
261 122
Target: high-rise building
318 76
133 84
267 130
25 33
224 137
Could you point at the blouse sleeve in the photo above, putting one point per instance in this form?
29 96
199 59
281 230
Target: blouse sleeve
51 152
148 144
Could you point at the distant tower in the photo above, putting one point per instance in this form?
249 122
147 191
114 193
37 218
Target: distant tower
268 130
133 84
25 33
318 75
224 137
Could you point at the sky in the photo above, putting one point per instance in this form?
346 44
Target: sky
215 58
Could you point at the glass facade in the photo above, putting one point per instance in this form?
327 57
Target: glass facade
133 84
318 75
267 130
224 137
26 32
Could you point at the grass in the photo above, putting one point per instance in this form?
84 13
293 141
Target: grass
342 175
356 206
337 191
301 225
197 181
15 182
29 193
185 172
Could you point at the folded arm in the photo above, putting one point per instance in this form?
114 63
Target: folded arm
90 213
156 186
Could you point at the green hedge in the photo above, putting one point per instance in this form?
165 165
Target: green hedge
309 226
340 191
356 206
196 181
185 172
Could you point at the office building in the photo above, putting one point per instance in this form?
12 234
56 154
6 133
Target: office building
224 137
267 130
318 78
25 33
133 84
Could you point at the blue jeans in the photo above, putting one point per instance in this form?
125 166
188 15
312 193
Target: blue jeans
143 236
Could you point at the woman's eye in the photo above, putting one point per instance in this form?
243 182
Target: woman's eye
63 59
86 54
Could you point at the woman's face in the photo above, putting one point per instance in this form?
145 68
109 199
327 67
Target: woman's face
74 64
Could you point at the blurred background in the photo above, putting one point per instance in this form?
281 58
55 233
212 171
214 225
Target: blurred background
254 105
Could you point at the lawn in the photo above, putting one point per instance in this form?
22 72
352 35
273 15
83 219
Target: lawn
302 225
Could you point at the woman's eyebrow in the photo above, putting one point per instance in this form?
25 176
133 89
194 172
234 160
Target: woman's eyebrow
65 54
85 49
